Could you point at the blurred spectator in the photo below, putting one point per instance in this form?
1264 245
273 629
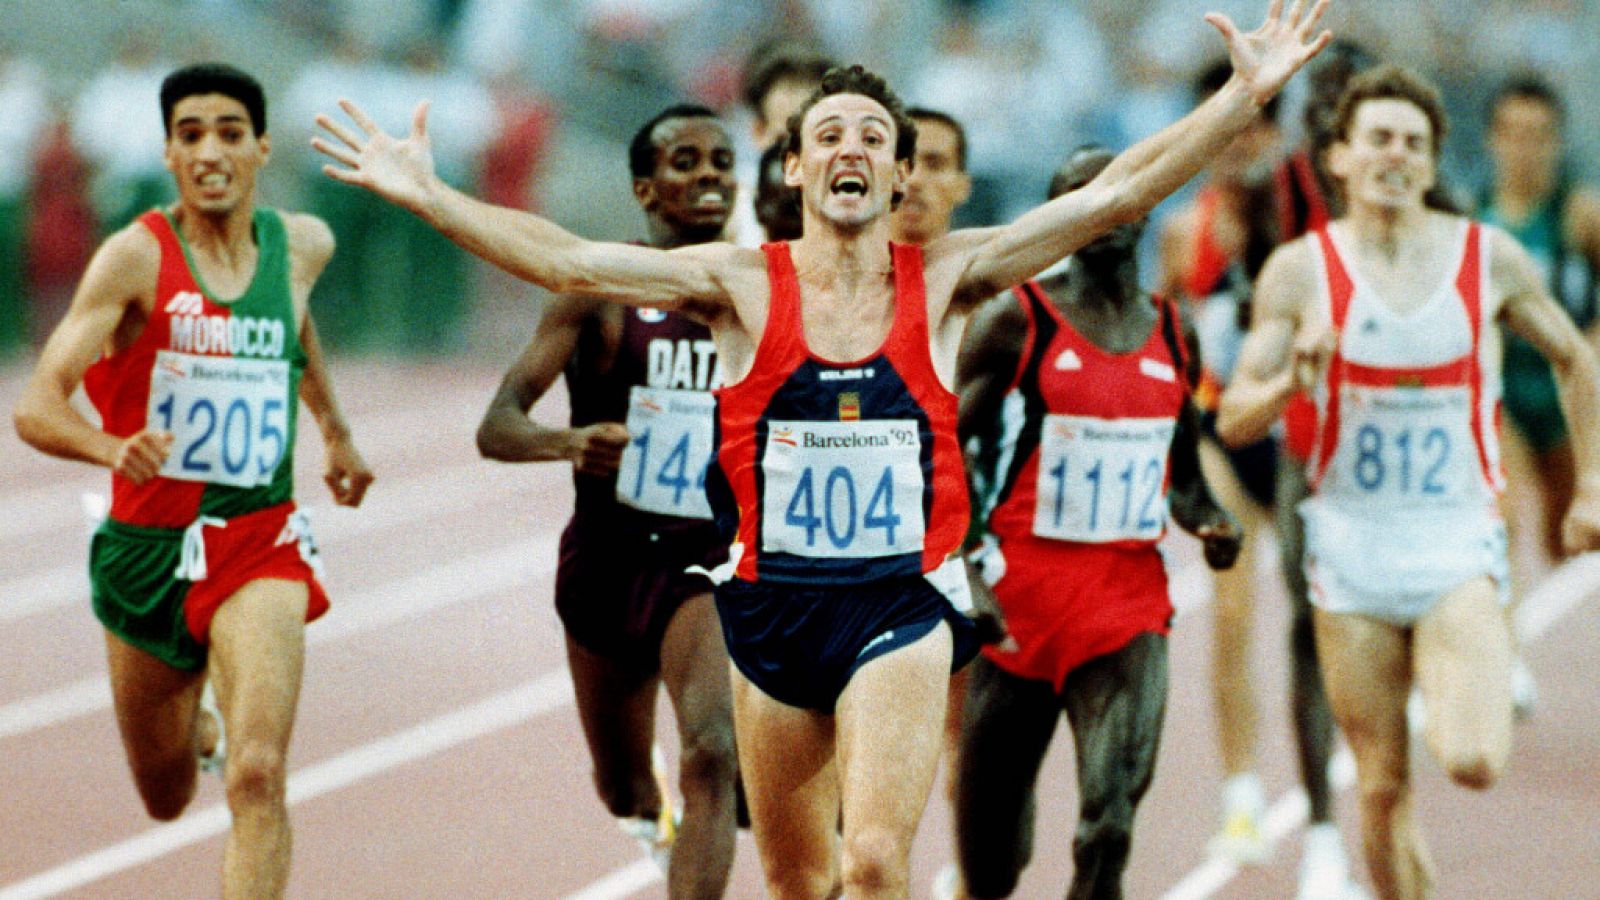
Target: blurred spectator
114 129
24 108
778 79
61 228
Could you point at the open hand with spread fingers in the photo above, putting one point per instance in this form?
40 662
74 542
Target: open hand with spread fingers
1264 59
399 170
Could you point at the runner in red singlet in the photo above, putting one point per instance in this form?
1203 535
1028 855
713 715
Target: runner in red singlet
838 474
191 334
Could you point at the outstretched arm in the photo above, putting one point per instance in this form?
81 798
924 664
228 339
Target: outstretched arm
1144 174
122 270
528 246
1284 351
507 434
1530 311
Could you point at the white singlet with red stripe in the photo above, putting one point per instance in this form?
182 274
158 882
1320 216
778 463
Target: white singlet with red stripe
1406 465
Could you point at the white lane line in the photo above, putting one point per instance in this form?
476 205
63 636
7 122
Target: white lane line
624 882
431 494
1560 592
468 578
535 698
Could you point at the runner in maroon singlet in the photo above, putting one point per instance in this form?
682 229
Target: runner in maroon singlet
640 383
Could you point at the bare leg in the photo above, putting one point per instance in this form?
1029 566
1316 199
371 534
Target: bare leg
1233 684
694 668
1367 666
1007 730
1116 704
890 724
155 706
257 654
1313 720
1463 664
618 711
786 759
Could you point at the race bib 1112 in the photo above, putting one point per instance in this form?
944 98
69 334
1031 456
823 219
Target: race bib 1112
1102 480
842 489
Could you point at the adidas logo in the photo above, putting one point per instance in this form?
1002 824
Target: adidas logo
186 303
1068 361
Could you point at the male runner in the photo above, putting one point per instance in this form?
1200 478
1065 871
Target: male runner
1384 315
839 473
1077 390
640 438
938 182
777 205
191 334
1537 201
777 82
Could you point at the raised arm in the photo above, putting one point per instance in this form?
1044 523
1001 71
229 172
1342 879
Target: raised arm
526 245
507 434
1283 351
122 271
1144 174
1529 311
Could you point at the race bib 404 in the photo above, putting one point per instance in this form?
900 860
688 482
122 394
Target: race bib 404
842 489
664 465
229 417
1102 480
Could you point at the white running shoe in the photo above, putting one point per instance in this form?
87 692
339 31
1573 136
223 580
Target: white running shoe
1524 690
656 836
1324 870
217 759
946 882
1241 839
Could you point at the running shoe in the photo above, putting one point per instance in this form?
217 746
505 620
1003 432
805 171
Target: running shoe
216 760
1241 839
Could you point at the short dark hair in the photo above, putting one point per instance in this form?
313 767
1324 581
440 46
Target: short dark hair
857 80
776 63
1060 183
1213 75
1391 82
923 114
1529 86
214 78
642 150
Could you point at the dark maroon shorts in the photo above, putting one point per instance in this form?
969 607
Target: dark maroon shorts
617 590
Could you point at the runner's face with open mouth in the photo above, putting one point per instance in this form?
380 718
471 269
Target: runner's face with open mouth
846 168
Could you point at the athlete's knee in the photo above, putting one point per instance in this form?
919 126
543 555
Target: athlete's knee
876 861
710 762
1473 769
1105 830
1382 791
256 776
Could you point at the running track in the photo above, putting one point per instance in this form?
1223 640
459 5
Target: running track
438 753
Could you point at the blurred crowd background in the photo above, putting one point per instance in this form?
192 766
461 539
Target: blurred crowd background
534 100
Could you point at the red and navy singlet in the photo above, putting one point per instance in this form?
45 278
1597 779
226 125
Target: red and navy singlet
839 472
659 382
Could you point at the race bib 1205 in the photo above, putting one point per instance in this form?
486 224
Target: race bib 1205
664 465
1102 480
229 417
842 489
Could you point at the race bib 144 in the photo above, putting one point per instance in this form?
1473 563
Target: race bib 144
664 465
229 417
842 489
